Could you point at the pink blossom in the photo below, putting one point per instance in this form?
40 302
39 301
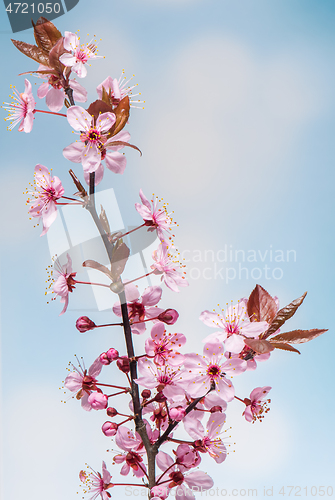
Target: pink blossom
187 457
234 325
140 308
166 379
155 217
164 346
92 137
210 441
83 382
22 109
81 54
97 401
64 283
53 90
167 268
201 372
117 89
97 483
93 146
181 480
43 201
133 447
255 406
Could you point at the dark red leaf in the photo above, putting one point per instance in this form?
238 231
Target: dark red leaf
283 315
122 143
54 55
298 336
79 186
32 51
261 306
284 347
98 107
46 34
121 111
259 346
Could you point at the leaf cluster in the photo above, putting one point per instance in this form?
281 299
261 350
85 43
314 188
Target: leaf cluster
262 307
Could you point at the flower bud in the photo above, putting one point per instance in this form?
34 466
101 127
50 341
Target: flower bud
104 360
177 413
98 401
160 398
111 412
146 393
109 429
215 409
112 354
83 324
159 492
123 364
169 316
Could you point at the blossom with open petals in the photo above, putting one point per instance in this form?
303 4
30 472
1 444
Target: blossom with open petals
22 109
156 218
139 307
96 483
64 282
133 446
81 53
117 89
255 404
83 382
235 326
93 136
209 441
166 379
163 346
211 369
43 201
197 480
170 271
53 90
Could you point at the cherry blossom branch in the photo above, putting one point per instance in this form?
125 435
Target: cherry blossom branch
69 92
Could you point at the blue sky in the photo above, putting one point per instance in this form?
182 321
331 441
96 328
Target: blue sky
237 135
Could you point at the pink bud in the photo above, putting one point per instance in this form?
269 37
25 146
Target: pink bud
123 364
112 354
83 324
169 316
177 413
215 409
104 360
146 393
109 429
98 401
111 412
159 492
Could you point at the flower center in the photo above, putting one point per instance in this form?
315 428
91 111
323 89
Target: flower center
81 56
213 371
136 309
